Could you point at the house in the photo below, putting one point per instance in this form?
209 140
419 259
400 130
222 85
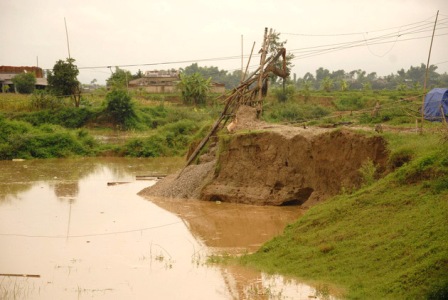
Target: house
7 73
157 81
165 81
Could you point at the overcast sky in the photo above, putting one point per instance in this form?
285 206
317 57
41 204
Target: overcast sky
380 36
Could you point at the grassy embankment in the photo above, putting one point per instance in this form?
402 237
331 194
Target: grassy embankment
388 240
41 126
160 128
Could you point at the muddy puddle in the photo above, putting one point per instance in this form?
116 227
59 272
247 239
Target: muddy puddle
78 230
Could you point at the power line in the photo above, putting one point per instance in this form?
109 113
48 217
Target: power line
307 52
416 29
356 33
348 46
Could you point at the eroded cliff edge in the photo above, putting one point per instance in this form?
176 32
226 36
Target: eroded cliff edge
276 165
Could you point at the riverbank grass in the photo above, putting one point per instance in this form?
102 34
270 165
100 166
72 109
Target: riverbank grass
388 240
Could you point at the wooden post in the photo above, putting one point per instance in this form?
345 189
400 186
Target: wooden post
426 74
262 62
443 116
248 62
242 53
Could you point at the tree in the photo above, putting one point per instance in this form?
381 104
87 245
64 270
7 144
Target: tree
5 88
344 85
120 107
326 84
194 88
62 80
24 83
230 80
137 75
306 89
367 86
119 79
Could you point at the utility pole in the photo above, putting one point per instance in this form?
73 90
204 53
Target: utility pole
66 34
426 74
242 76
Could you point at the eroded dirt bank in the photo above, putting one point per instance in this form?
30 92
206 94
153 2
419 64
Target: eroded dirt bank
277 165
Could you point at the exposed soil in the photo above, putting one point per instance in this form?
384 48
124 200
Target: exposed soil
267 164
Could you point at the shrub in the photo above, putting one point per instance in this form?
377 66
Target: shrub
367 172
43 100
19 139
352 101
69 117
121 108
283 95
194 88
170 140
24 83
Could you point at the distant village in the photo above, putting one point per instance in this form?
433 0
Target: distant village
154 81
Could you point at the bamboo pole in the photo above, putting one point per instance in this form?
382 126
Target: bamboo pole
262 62
426 74
242 51
248 62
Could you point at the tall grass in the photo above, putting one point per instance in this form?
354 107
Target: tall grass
293 112
20 139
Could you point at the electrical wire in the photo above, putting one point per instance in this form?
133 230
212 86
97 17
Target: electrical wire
412 30
357 33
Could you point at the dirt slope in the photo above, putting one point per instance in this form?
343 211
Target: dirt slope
267 164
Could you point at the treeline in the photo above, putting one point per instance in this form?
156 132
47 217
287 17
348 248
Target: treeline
324 79
411 79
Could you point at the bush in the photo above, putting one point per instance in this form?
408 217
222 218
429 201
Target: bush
120 107
24 83
43 100
19 139
194 88
170 140
69 117
284 95
352 101
368 171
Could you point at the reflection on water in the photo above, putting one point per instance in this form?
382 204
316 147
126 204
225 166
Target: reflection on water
227 226
81 238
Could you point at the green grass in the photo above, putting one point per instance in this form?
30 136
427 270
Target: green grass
389 240
19 139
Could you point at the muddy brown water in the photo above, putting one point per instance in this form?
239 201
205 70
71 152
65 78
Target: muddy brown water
79 238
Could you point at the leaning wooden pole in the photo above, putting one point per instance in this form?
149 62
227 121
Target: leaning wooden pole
262 62
426 75
248 62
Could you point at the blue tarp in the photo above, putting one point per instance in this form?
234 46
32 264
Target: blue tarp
434 100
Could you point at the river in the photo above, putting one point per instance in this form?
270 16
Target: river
76 229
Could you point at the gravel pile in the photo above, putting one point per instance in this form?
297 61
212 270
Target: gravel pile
188 185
